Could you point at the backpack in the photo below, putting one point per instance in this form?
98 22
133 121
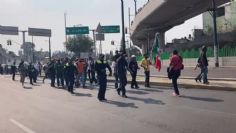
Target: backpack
182 68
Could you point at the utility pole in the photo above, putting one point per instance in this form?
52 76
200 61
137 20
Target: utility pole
65 15
50 57
135 6
123 27
94 42
33 60
216 43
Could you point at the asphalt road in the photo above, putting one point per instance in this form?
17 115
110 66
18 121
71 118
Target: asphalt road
223 72
42 109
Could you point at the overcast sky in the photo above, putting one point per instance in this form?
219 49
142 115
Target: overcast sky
50 14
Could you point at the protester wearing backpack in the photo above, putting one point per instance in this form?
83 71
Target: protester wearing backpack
176 65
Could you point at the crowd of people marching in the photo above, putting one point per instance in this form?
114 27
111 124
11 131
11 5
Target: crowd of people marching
69 73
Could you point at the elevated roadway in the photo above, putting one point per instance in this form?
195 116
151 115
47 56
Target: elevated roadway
158 16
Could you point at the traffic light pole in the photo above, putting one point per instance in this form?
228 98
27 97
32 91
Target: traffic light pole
50 58
216 43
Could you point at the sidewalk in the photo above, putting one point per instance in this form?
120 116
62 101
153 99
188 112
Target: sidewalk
188 83
189 72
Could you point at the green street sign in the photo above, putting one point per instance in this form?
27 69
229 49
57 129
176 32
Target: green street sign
111 29
77 30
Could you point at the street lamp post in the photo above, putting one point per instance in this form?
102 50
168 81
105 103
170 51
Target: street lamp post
123 27
216 44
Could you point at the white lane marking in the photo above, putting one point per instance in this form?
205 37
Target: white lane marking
26 129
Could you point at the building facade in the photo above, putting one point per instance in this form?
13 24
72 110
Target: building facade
226 19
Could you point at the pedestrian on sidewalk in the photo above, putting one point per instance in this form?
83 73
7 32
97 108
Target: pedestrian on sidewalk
158 63
204 62
199 65
145 64
71 73
175 67
133 69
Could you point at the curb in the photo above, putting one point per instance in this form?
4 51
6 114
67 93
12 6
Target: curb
216 79
186 86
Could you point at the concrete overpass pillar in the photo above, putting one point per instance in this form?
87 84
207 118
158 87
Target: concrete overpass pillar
144 48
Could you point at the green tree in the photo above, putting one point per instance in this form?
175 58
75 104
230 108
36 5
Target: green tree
78 44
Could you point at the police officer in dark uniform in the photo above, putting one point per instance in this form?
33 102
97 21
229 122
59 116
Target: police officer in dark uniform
59 73
100 67
13 70
117 55
66 64
122 66
70 72
31 71
52 71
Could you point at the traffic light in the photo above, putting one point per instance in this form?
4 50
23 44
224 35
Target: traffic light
9 42
112 43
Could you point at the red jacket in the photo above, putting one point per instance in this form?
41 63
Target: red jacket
158 63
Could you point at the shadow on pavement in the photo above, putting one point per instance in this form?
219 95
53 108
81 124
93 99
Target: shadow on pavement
28 87
137 92
121 104
151 90
147 100
203 99
83 95
36 84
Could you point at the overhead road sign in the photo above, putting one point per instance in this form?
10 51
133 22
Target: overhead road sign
9 30
77 30
110 29
39 32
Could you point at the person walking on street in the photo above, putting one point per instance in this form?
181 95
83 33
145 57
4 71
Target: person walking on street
199 65
31 72
133 69
145 64
39 68
1 69
23 72
91 71
117 55
122 66
175 67
52 71
13 71
204 62
59 73
71 74
100 68
81 72
66 64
